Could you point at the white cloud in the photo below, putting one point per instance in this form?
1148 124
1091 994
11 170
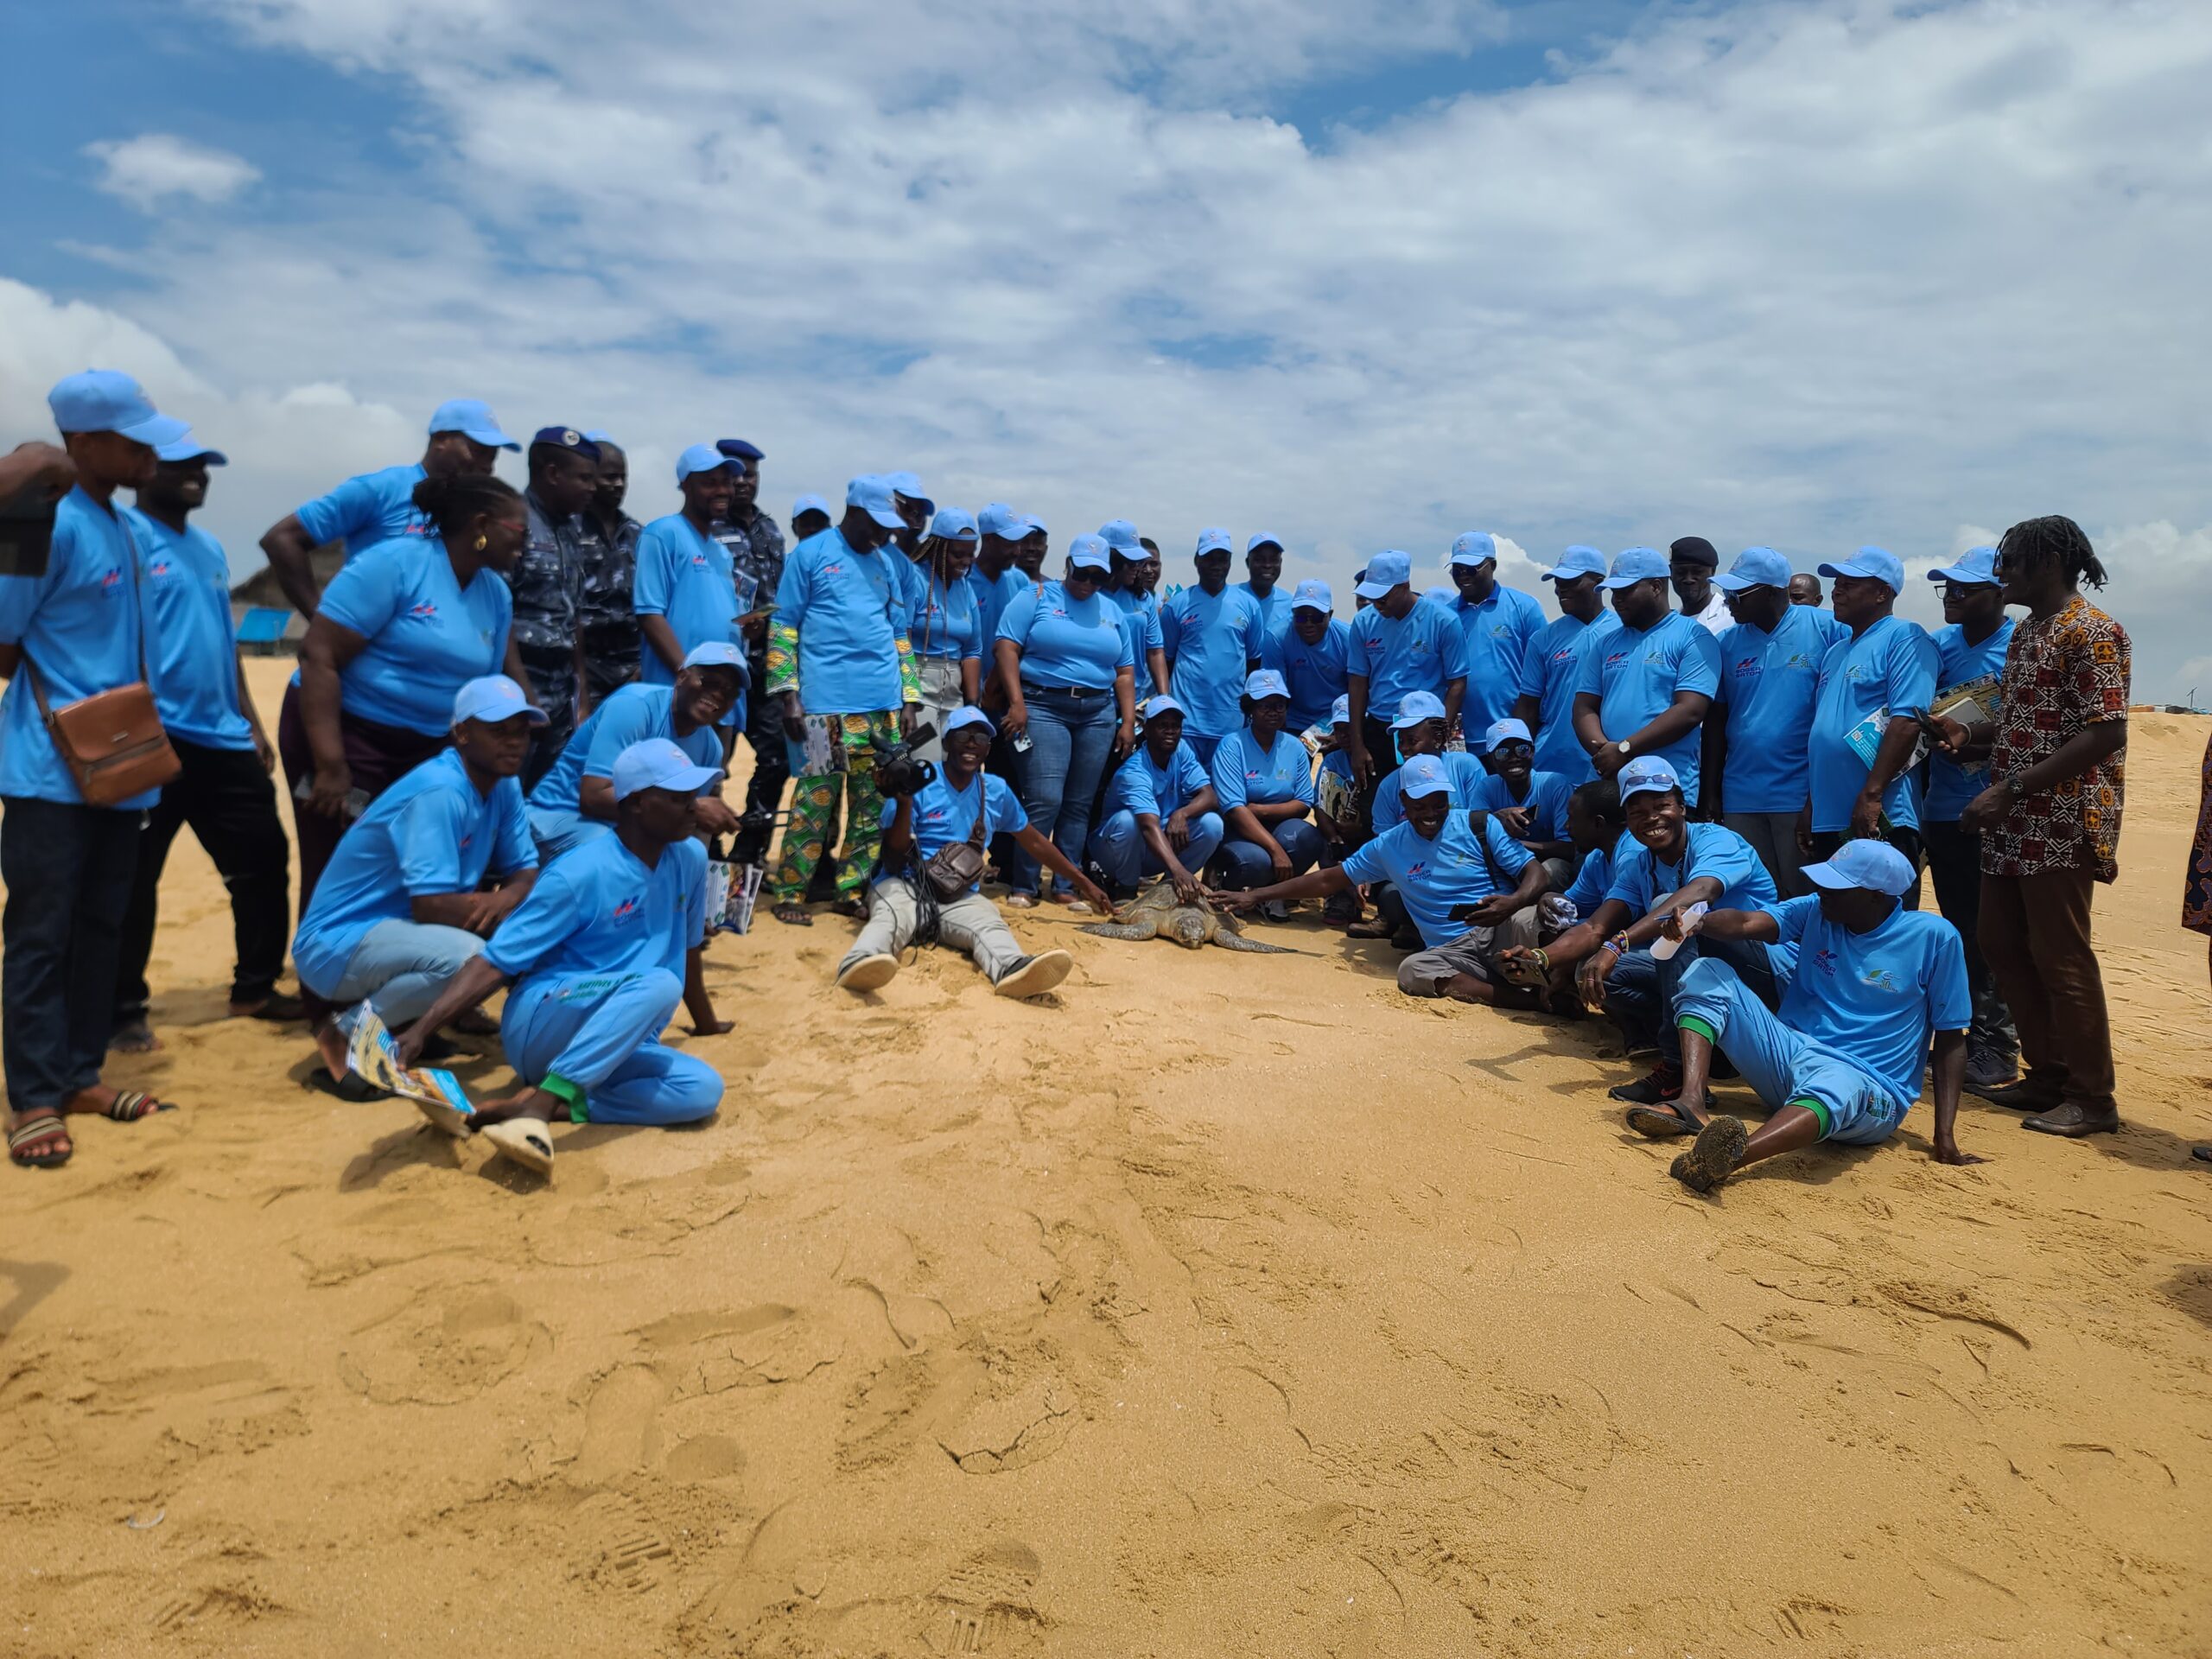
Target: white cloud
146 169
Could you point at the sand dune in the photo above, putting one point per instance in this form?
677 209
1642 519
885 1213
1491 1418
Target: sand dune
1221 1304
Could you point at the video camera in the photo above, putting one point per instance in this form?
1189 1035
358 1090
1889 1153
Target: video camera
897 770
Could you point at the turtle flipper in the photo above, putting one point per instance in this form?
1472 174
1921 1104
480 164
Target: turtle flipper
1117 931
1228 939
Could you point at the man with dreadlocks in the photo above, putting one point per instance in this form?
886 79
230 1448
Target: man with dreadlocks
2049 823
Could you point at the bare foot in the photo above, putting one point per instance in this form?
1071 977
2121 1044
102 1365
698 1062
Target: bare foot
136 1038
330 1043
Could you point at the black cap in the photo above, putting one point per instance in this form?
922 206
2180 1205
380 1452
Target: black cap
565 437
1694 550
737 449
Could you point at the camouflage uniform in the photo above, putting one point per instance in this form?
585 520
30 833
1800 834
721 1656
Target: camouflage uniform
605 619
547 584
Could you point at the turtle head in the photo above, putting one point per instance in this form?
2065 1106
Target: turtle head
1188 928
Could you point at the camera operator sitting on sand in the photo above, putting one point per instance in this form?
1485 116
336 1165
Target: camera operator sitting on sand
960 807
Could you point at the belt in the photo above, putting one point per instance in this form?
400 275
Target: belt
1030 688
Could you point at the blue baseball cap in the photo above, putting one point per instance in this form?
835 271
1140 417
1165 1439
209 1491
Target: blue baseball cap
1265 682
1000 520
705 458
909 485
872 495
1978 568
1312 596
188 447
656 763
1869 863
715 653
1508 730
1475 547
1423 775
1577 560
1339 711
601 434
1122 534
1262 539
1648 774
1213 539
1385 571
565 437
807 503
108 400
1161 704
1090 553
739 449
1636 564
1443 593
1877 563
493 698
1417 707
1032 526
1755 567
967 714
953 524
474 420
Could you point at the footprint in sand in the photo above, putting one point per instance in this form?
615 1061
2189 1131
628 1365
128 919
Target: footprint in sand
621 1427
619 1546
441 1348
988 1600
706 1458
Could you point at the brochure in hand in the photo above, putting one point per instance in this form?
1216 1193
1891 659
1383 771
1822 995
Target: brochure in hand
371 1053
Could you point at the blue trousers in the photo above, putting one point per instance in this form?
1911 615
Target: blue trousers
1119 848
1070 738
601 1032
1641 992
401 967
557 830
1202 746
1785 1067
1246 864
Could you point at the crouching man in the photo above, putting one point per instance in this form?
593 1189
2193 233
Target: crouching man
601 953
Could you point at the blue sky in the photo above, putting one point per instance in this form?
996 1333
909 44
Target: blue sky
1810 273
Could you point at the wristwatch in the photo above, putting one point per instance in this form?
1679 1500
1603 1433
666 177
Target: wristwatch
1623 746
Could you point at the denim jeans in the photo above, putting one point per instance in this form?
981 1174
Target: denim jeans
1119 848
402 966
1070 738
1246 864
1641 991
68 869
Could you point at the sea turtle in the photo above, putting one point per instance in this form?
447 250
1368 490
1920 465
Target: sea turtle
1161 915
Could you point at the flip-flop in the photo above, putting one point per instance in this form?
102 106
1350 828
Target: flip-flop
1659 1122
46 1130
352 1088
526 1139
131 1104
1715 1152
443 1114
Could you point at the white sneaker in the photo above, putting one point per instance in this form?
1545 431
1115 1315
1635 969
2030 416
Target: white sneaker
869 972
1034 975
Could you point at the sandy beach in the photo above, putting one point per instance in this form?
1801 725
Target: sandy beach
1217 1304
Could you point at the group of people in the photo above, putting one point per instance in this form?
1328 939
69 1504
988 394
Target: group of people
1702 808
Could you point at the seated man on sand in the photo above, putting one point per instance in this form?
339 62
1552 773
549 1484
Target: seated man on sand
962 805
574 802
399 907
601 953
1158 816
1451 866
1532 804
1841 1059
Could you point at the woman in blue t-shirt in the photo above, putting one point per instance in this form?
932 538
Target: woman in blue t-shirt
401 629
1263 782
946 625
1070 675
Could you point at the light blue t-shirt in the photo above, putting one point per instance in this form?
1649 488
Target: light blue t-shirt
1066 641
943 814
1140 615
993 597
1767 683
1551 669
1594 879
374 507
849 611
1213 640
946 622
195 663
1462 770
1273 605
1951 785
629 713
429 833
1436 877
1891 666
1876 997
1140 786
1548 794
1244 774
601 909
1640 880
687 576
1635 674
428 636
1314 673
1423 651
1494 640
80 626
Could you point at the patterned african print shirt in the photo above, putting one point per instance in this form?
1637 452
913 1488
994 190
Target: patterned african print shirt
2062 675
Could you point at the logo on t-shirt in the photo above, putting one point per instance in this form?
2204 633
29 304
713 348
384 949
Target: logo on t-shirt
159 569
111 584
1823 959
1882 979
425 609
624 910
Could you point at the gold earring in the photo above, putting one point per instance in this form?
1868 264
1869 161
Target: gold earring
480 543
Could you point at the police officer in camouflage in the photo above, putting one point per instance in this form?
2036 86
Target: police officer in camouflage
756 547
547 584
606 624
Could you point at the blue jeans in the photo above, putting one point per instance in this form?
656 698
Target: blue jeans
1246 864
1069 737
401 967
68 869
1119 848
1641 991
1785 1067
601 1033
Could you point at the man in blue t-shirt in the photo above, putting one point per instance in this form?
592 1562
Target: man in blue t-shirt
1531 804
1841 1059
1264 581
1754 762
1214 634
1400 644
1646 687
599 954
1496 625
374 507
1551 665
224 790
1158 817
962 803
1970 653
1310 655
1134 574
